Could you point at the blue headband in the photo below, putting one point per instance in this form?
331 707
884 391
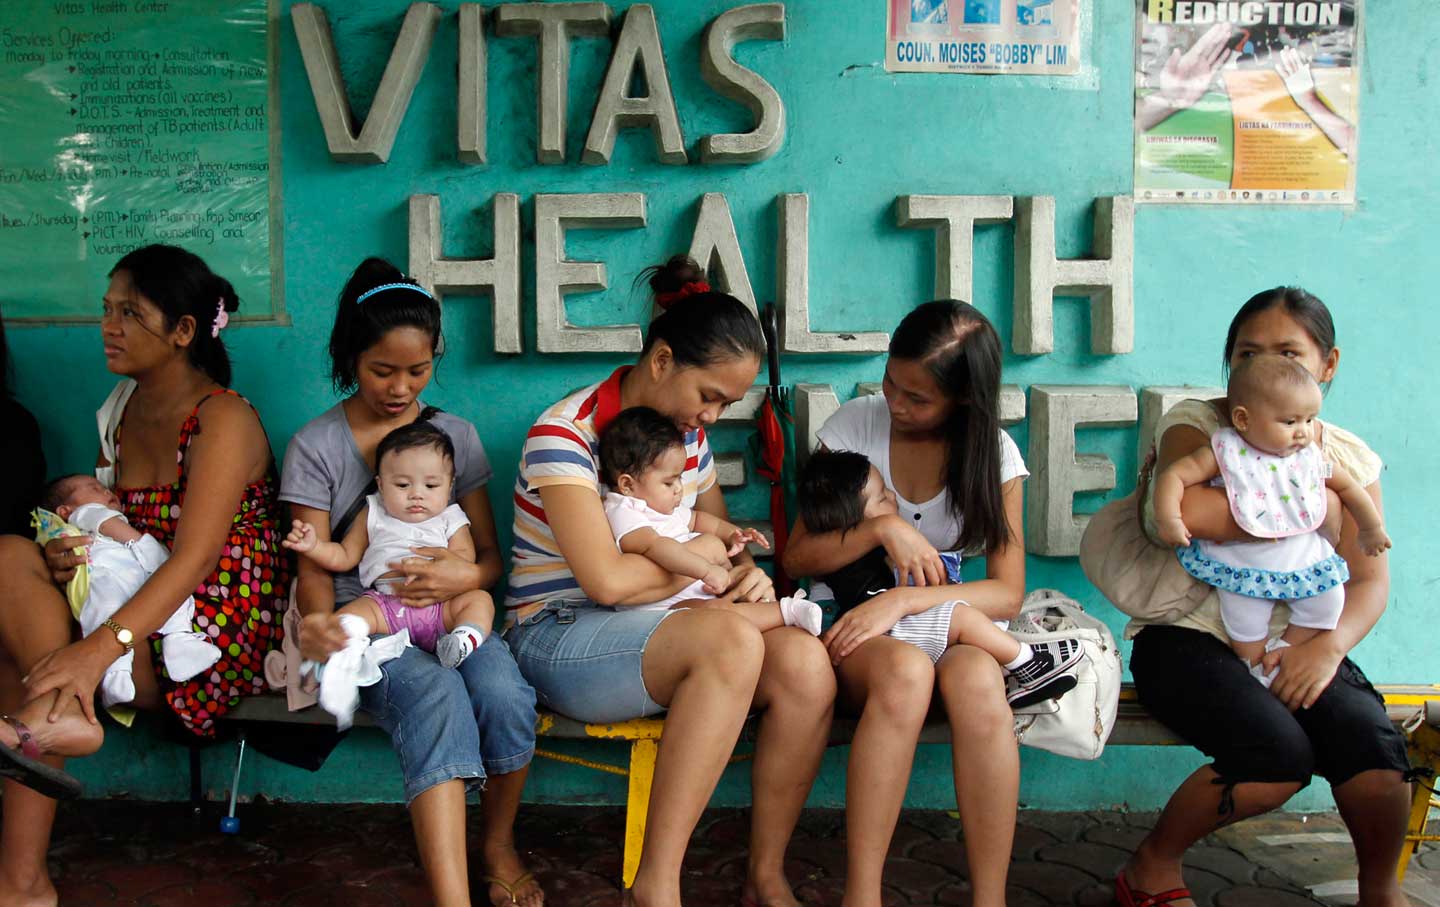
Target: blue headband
393 286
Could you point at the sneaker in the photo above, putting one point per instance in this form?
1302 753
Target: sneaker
1049 674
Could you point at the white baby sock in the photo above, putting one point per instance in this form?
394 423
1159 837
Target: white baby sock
340 680
1257 670
186 654
1026 653
117 684
455 646
795 611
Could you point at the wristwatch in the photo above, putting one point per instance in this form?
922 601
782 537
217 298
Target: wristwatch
122 635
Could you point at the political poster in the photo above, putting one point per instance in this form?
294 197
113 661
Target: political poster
1020 37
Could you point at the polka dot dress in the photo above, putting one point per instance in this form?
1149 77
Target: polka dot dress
238 606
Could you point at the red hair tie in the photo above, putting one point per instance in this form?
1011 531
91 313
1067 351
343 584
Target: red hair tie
666 300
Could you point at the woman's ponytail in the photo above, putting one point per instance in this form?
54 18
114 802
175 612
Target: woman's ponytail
701 326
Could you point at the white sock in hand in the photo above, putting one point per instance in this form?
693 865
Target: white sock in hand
1258 670
117 686
455 646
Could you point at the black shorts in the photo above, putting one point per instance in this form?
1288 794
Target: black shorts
1195 685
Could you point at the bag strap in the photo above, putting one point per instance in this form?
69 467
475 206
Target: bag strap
342 525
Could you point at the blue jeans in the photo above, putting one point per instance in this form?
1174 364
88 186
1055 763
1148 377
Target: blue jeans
585 659
448 723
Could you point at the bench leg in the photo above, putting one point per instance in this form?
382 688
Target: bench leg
1424 751
197 787
637 804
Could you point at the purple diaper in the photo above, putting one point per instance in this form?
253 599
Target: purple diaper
426 625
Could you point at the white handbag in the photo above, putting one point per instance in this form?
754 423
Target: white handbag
1083 718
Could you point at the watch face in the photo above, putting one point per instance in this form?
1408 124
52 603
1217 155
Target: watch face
124 636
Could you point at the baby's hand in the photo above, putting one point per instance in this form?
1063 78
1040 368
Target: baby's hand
301 537
716 579
1173 532
1374 541
742 537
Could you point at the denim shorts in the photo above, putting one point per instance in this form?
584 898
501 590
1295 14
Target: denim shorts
448 723
584 660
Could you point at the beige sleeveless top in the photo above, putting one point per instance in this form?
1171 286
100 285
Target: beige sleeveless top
1341 448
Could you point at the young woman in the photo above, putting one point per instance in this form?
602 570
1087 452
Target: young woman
592 659
1320 715
452 729
161 324
935 437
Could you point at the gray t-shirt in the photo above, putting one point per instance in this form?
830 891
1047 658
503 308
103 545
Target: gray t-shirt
324 470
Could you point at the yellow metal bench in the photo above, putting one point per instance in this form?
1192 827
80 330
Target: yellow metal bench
1423 733
1133 727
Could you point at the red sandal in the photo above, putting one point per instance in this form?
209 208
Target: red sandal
1126 896
22 764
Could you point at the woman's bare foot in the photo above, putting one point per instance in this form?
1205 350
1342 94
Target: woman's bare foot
639 895
504 863
71 735
1145 872
768 890
38 892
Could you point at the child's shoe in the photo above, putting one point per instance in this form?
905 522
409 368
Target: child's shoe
796 611
455 646
1049 674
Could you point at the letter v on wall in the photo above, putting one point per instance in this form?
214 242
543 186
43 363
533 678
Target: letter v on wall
332 101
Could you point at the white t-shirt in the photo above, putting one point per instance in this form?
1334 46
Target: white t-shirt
626 514
862 425
391 539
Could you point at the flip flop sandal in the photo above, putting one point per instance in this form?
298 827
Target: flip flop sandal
511 887
22 764
1126 896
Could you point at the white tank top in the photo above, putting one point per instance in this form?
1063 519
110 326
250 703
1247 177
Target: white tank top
392 539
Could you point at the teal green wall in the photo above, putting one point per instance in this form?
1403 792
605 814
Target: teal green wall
858 137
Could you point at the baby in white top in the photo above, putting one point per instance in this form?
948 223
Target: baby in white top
412 509
642 458
121 559
1275 475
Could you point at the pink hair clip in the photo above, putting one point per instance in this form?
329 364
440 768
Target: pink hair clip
222 317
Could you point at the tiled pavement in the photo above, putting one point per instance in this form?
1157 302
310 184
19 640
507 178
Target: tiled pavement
158 855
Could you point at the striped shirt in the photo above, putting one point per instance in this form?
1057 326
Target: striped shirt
563 448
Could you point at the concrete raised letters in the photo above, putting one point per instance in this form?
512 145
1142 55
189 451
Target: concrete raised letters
500 276
1052 527
322 65
615 109
555 276
554 24
721 72
1107 280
